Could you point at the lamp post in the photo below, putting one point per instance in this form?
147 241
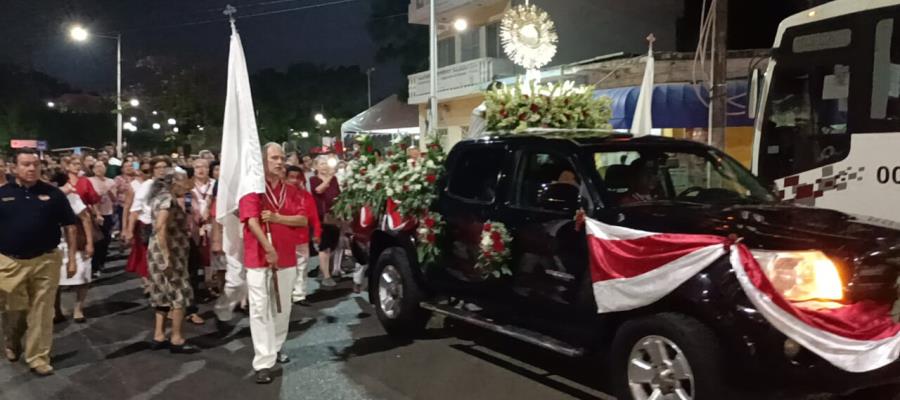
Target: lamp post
460 25
369 84
80 34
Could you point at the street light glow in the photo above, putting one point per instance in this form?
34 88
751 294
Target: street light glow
133 119
154 113
156 126
51 104
78 33
304 134
171 121
175 129
134 102
460 24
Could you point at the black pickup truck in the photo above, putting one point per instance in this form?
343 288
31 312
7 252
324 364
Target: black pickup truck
705 340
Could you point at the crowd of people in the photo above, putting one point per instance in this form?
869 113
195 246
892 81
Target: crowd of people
62 214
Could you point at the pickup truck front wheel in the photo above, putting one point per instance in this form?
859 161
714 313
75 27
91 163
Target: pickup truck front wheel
666 356
397 295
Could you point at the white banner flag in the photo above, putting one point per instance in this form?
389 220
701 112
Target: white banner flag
642 122
241 171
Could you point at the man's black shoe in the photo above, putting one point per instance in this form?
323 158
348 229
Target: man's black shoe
223 328
283 358
264 376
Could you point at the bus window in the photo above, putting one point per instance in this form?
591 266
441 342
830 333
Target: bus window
806 118
885 105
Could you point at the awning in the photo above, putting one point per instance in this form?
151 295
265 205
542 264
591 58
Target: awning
675 105
390 116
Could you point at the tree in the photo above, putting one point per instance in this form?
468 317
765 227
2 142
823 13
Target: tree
188 93
397 39
24 113
286 102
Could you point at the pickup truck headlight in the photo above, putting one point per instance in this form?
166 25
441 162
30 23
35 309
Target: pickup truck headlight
801 275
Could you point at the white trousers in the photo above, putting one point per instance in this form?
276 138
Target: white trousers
300 291
235 289
268 327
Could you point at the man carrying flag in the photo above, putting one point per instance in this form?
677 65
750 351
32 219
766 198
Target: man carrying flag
273 226
268 243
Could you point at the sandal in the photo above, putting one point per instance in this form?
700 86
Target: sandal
196 319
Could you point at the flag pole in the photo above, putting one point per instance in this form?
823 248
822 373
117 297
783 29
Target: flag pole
230 11
274 273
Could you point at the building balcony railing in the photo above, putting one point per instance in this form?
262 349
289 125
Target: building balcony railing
459 80
449 9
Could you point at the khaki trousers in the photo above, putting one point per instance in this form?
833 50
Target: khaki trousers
30 290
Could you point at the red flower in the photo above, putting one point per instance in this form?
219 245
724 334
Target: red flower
394 167
499 247
488 227
429 223
431 178
369 149
362 171
404 146
535 108
431 238
390 153
405 188
435 146
487 255
495 236
378 186
523 116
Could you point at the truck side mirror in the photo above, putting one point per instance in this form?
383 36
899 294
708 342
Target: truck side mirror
753 94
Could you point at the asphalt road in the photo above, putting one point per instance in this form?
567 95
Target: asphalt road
337 347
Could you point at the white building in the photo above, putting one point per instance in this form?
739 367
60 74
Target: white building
470 60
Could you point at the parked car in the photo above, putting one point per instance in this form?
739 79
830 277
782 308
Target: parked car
713 336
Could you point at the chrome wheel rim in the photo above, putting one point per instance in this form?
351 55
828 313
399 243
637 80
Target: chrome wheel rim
390 291
659 370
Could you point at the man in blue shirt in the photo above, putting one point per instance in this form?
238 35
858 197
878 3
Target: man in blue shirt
33 214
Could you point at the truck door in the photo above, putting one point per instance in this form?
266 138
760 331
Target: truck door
469 200
549 256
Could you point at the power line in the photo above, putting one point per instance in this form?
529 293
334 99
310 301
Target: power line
247 16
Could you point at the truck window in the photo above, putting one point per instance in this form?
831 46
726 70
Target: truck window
475 175
543 173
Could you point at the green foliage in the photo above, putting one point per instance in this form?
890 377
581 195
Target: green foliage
290 99
516 108
398 40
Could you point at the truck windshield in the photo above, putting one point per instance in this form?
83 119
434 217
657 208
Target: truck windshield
697 176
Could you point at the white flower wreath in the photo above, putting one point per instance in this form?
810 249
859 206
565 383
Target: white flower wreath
529 36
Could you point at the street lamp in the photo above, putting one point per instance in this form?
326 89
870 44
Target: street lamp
304 134
156 126
460 24
134 102
154 112
171 121
175 129
79 33
51 104
133 119
321 119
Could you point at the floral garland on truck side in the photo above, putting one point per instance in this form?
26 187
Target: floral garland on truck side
406 178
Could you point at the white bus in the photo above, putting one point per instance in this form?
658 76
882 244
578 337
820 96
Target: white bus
828 129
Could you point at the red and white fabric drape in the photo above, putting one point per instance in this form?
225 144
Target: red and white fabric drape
632 269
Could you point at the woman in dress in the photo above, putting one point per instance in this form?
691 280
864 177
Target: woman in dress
169 283
325 191
85 250
140 220
105 188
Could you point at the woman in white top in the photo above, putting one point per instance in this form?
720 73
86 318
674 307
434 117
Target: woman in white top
106 188
85 244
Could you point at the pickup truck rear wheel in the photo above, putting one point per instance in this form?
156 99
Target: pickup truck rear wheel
666 356
397 295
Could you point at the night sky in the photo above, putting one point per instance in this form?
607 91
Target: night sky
33 33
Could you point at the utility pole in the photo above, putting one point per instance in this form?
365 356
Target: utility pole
718 102
369 84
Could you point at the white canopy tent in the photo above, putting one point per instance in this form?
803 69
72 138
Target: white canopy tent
389 117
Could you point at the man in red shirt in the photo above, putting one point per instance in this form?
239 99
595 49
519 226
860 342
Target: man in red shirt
273 225
295 178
